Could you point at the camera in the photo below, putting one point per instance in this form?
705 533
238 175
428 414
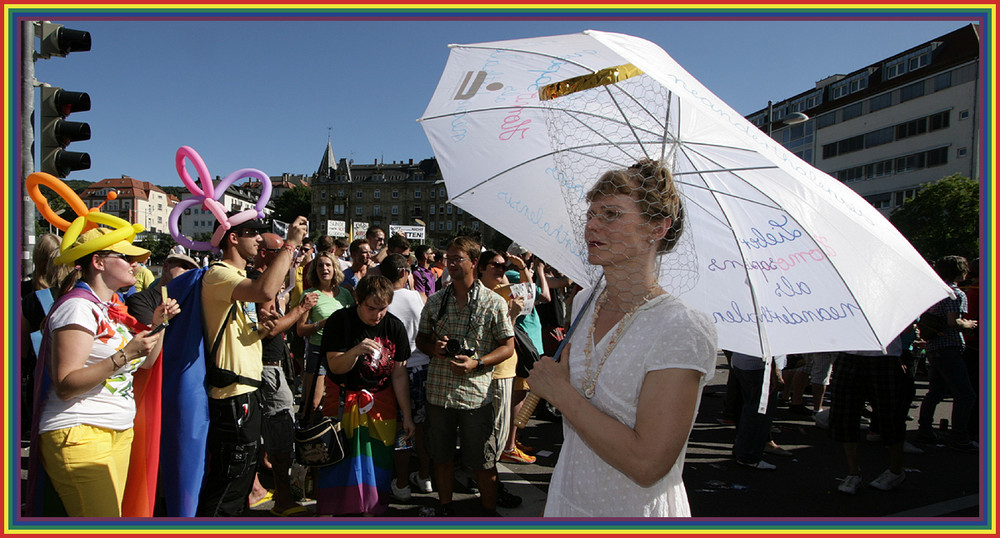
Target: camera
457 347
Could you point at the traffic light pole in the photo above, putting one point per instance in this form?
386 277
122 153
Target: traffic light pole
27 143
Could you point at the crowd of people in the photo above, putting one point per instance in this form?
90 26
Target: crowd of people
408 346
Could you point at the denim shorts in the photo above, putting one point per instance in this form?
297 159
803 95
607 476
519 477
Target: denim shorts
315 361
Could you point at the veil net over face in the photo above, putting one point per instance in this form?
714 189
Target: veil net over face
586 144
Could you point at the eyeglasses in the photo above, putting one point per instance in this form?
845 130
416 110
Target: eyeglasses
454 259
112 254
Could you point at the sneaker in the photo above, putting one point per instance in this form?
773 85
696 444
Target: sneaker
850 484
967 446
909 448
762 465
400 493
506 499
927 435
801 410
888 480
516 456
423 484
523 447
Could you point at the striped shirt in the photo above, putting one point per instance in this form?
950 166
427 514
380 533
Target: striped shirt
483 325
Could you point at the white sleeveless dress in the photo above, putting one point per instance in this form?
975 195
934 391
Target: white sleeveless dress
664 333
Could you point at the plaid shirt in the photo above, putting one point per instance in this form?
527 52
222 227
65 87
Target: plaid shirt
483 328
952 337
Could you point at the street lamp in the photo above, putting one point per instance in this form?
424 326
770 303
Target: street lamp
790 119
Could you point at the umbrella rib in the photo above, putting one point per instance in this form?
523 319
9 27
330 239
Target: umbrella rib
807 234
631 127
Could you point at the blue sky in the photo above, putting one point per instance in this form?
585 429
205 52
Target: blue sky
267 94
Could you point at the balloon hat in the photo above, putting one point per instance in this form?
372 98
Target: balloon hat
87 219
209 198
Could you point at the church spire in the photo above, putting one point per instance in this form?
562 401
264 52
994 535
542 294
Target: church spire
328 165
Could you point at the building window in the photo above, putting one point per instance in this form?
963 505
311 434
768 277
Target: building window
433 193
826 120
430 226
458 210
911 62
395 210
911 128
441 192
879 169
377 194
880 201
903 196
322 194
450 225
449 208
942 81
377 211
338 209
879 137
395 194
340 193
322 210
416 194
441 209
911 92
359 195
962 152
879 102
358 210
850 85
851 112
432 209
475 225
963 115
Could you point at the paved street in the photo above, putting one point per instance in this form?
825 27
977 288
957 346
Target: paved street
940 482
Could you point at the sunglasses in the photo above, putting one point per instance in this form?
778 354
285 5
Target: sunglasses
248 232
497 265
111 254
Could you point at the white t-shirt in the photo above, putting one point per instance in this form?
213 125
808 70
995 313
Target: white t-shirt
406 305
109 405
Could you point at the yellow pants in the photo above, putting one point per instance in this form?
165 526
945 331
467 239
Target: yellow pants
88 466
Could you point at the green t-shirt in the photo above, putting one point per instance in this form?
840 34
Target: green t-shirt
325 306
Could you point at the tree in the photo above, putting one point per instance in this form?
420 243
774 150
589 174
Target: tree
942 219
158 246
292 203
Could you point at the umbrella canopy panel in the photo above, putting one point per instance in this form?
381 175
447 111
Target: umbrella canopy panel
784 258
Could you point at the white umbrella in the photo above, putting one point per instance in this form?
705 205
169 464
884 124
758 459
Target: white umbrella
783 257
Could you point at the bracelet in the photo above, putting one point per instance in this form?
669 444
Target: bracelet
115 364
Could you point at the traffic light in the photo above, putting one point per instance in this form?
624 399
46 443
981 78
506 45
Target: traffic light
60 41
57 133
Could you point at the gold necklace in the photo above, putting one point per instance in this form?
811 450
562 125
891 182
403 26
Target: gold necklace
590 380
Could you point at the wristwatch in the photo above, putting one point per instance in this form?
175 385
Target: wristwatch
479 362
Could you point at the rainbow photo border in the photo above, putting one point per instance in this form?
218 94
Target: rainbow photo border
984 14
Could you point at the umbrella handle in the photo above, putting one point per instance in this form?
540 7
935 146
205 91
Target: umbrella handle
527 409
531 400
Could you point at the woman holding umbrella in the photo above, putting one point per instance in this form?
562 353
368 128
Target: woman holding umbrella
629 385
